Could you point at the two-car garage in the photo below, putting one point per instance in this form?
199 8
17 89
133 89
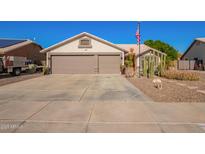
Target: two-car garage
84 54
85 64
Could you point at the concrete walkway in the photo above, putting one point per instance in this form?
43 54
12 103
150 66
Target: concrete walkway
91 103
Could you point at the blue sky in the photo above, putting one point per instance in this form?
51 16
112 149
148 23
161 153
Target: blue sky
177 34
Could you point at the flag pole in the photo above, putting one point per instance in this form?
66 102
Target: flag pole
139 39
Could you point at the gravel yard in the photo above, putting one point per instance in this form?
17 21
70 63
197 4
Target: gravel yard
7 78
173 90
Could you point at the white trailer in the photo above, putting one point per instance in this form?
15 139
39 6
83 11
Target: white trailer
13 64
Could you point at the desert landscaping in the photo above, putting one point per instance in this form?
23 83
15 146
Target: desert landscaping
172 90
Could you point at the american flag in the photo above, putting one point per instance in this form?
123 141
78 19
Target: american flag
138 33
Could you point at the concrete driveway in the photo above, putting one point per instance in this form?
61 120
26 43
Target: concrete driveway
91 103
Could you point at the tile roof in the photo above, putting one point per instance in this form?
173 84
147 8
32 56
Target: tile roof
143 48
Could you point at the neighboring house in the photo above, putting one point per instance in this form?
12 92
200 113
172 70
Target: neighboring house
85 54
196 53
22 48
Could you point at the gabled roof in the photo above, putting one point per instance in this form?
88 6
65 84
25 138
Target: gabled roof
195 40
82 35
143 48
7 45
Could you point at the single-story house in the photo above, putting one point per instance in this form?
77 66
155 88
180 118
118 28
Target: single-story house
196 52
85 54
22 48
88 54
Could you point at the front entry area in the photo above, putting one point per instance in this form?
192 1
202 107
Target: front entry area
85 64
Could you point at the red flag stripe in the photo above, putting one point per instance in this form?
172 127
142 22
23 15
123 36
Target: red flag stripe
138 35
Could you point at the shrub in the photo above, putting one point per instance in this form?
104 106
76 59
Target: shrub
180 75
128 63
129 60
32 68
46 70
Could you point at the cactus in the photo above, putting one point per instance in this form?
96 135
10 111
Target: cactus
151 69
145 66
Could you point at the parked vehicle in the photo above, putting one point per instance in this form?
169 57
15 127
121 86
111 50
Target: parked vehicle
13 64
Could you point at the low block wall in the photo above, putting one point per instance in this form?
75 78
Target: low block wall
186 64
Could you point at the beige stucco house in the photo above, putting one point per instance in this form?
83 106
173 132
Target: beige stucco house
85 54
88 54
196 51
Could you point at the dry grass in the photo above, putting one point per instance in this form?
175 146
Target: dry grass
180 75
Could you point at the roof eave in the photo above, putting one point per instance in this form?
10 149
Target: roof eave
187 50
81 35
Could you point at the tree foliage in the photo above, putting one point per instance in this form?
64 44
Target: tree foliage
172 53
129 60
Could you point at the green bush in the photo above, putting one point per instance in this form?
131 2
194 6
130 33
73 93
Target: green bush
129 60
180 75
129 63
32 68
46 70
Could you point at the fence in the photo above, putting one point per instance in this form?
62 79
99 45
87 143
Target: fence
186 64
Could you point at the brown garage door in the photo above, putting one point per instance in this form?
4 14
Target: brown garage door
75 64
109 64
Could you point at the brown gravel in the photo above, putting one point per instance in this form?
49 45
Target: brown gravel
8 79
171 91
200 84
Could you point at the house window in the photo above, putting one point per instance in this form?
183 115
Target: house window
85 43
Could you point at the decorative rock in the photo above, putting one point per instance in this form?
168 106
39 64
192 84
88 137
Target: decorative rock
192 87
181 84
201 91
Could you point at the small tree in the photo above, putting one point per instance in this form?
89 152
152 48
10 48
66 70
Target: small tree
172 53
129 63
130 59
